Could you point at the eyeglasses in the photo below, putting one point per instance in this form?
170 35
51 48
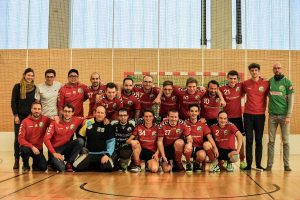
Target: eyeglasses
123 115
73 76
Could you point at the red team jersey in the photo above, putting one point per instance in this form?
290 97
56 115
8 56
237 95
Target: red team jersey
172 133
91 93
131 103
232 96
112 106
186 99
168 103
210 106
74 95
224 137
32 131
146 136
60 133
146 99
198 131
257 93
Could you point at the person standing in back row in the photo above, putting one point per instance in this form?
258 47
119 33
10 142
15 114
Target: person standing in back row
281 101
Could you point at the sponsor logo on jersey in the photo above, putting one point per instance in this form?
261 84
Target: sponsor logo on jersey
41 124
261 88
72 126
100 129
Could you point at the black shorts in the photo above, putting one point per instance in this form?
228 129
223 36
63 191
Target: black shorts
170 152
238 122
195 150
146 154
223 153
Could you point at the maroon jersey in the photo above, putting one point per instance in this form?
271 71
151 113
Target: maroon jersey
131 103
32 131
186 99
60 133
168 103
73 95
112 106
91 93
210 106
224 137
232 96
146 99
146 136
198 131
257 93
172 133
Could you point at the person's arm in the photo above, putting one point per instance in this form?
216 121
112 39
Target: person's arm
157 100
291 100
128 141
22 136
161 148
222 101
212 142
110 146
15 102
60 101
49 134
239 137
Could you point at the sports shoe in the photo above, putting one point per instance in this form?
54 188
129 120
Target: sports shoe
269 168
229 167
25 167
16 164
69 167
260 168
197 167
247 168
243 164
135 169
287 168
177 168
214 168
188 168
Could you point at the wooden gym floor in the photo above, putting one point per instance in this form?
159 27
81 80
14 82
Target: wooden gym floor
119 185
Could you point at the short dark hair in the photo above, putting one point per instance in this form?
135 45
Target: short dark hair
148 76
73 71
253 66
123 110
194 105
111 85
222 111
191 80
232 73
148 110
174 110
28 70
36 103
213 82
50 71
69 105
127 78
167 82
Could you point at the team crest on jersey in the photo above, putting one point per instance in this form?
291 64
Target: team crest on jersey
154 133
129 129
185 97
80 91
41 124
226 132
199 128
197 97
130 103
163 98
238 89
89 127
114 106
261 88
178 131
174 98
100 130
217 100
281 88
151 96
72 126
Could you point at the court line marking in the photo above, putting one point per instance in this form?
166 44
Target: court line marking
276 189
12 177
27 186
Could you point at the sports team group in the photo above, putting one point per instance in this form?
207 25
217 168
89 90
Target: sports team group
171 129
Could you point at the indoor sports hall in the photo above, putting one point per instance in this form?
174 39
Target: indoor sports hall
168 40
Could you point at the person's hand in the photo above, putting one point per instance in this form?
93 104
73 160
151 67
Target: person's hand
58 156
17 120
35 150
104 159
287 120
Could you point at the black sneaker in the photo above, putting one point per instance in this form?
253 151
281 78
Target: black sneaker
247 168
177 168
188 168
197 167
287 168
260 168
26 168
135 169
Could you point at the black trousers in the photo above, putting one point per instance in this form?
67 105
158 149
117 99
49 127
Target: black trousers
39 161
254 126
16 142
92 163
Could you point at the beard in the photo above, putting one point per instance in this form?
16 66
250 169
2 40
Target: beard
278 77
